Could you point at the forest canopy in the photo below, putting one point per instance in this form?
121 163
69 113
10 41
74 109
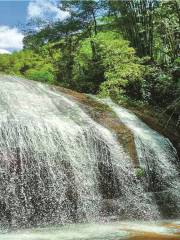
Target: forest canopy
128 50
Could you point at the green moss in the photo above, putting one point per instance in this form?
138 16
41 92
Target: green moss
140 172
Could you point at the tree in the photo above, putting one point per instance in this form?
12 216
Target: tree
135 20
123 72
166 36
115 70
85 11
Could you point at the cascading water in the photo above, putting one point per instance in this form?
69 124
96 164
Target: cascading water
57 165
158 159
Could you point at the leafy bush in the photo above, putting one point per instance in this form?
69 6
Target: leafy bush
88 72
140 172
161 87
105 63
29 64
123 72
40 75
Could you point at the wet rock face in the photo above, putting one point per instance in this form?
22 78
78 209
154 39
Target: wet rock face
158 159
155 179
102 114
161 123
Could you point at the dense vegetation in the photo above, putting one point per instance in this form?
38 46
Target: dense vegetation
127 50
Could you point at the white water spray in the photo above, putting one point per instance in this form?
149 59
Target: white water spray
57 165
157 157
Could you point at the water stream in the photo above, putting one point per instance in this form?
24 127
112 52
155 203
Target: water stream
98 231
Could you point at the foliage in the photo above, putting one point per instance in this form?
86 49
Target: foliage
127 50
86 12
40 75
123 73
135 20
29 64
166 28
140 172
106 61
88 72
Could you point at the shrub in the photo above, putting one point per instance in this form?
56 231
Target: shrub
140 172
40 75
123 72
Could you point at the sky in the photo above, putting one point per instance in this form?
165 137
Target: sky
14 15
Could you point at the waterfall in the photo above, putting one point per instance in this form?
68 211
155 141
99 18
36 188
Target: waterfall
59 166
158 159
